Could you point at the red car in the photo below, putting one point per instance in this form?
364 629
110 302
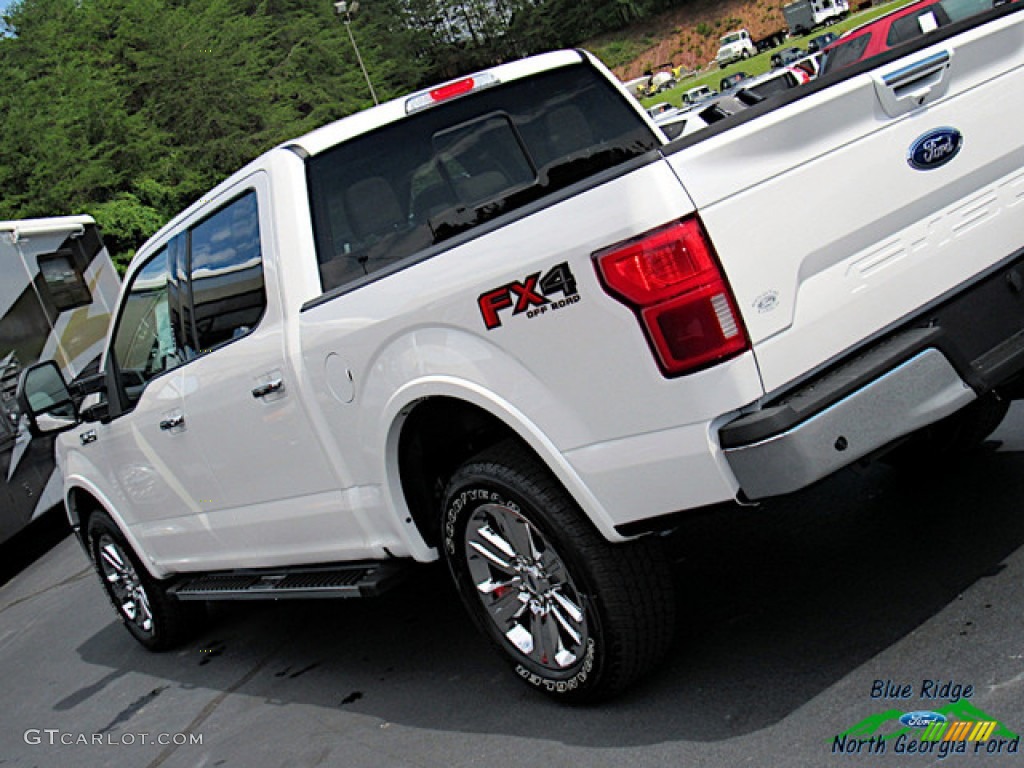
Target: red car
900 26
884 33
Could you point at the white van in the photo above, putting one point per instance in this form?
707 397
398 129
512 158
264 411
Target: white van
57 288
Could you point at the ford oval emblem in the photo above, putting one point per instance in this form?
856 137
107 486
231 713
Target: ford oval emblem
935 149
922 719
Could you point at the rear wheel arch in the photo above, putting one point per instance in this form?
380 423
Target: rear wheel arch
432 433
437 436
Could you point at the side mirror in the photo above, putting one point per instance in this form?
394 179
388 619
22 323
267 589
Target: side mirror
44 397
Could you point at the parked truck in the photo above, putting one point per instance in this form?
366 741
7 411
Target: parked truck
57 287
804 16
500 323
739 45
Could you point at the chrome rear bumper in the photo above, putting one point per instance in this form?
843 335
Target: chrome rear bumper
913 395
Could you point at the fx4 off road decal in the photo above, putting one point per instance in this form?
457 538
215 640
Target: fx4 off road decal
532 296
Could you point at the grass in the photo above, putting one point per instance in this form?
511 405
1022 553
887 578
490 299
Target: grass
619 52
761 63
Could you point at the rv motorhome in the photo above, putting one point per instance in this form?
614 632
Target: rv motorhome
804 16
57 288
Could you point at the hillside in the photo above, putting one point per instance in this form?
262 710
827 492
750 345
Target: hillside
685 36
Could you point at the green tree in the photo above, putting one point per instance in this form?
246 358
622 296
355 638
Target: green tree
132 109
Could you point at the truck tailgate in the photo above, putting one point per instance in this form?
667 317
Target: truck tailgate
827 232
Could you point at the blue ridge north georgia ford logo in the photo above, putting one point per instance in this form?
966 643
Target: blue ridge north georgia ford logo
935 148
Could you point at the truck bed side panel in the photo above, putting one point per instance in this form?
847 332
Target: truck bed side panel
576 381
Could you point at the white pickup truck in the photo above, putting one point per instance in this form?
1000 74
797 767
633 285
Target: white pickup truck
739 44
501 323
735 46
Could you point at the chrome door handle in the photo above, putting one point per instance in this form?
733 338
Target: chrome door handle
172 422
270 388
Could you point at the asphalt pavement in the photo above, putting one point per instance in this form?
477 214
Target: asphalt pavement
807 627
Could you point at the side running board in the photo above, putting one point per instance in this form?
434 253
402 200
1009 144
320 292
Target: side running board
348 580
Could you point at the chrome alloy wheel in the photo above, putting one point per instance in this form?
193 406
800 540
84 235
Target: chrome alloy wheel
124 584
525 587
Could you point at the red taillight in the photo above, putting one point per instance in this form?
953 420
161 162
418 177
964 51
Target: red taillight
672 279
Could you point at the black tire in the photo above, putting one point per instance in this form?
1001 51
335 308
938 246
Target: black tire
577 617
154 618
951 437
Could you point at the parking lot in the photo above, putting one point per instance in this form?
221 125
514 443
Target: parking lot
792 616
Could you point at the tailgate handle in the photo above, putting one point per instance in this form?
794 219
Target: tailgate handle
913 85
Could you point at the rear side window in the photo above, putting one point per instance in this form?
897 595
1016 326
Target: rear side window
381 197
846 53
906 28
228 295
